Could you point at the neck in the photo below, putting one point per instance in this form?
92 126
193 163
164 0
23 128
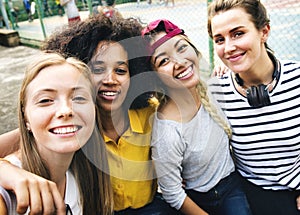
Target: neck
114 123
182 105
58 167
262 73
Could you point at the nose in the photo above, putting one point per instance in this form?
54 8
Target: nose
109 78
65 110
229 46
178 62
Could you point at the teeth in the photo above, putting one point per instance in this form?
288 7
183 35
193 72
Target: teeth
106 93
181 75
65 130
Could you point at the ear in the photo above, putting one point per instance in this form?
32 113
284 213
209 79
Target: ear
265 33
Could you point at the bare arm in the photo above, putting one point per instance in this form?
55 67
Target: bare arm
298 203
31 190
191 208
9 142
64 2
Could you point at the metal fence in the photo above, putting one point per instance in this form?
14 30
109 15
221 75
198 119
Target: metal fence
191 15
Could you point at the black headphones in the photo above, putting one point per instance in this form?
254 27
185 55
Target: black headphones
258 96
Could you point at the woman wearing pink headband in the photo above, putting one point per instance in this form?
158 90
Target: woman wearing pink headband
190 137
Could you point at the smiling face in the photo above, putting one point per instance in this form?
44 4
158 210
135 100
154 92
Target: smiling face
237 42
59 109
176 62
111 75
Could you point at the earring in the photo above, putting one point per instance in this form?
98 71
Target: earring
28 126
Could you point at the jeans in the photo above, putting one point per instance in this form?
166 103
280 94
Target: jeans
226 198
275 202
157 207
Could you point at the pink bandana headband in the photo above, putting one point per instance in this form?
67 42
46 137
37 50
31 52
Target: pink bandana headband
170 29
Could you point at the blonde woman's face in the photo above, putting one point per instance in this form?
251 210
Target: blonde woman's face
59 110
176 62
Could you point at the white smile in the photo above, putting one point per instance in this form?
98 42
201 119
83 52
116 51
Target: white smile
109 93
185 73
65 130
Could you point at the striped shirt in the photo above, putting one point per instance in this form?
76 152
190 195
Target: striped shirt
266 140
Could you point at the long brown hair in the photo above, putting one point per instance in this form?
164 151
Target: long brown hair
94 182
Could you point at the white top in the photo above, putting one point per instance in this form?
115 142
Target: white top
71 9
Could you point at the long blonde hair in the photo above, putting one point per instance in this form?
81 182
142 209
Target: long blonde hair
94 183
161 93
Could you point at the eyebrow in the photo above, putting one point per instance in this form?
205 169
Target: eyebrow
163 53
122 63
100 62
232 30
54 90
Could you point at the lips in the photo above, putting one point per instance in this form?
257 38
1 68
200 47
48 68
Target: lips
185 74
235 57
65 129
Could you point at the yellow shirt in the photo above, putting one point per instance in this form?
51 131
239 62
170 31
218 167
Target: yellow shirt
131 168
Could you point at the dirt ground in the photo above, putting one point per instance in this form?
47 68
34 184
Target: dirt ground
12 66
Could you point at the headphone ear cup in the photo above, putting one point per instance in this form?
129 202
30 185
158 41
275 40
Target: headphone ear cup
252 96
263 95
258 96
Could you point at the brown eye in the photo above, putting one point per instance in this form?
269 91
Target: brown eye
163 61
121 71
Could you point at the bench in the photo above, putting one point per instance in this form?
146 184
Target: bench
9 38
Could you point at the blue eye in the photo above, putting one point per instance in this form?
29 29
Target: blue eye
97 70
44 101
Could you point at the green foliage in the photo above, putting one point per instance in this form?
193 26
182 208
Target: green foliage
124 1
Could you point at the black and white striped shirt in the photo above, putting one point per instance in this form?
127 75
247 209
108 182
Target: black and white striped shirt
266 140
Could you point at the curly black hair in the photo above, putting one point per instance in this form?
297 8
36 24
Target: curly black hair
81 41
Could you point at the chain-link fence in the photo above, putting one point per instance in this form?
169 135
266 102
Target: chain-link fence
191 15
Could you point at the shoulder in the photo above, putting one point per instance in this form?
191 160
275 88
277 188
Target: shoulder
143 113
142 117
290 65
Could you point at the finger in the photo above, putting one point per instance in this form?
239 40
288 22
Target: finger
23 197
36 204
298 202
215 71
49 195
58 200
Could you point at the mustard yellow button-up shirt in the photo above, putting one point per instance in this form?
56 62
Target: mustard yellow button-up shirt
131 168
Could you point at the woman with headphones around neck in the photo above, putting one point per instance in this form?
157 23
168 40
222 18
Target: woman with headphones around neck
260 97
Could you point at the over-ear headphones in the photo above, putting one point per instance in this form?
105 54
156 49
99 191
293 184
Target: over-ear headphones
258 96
